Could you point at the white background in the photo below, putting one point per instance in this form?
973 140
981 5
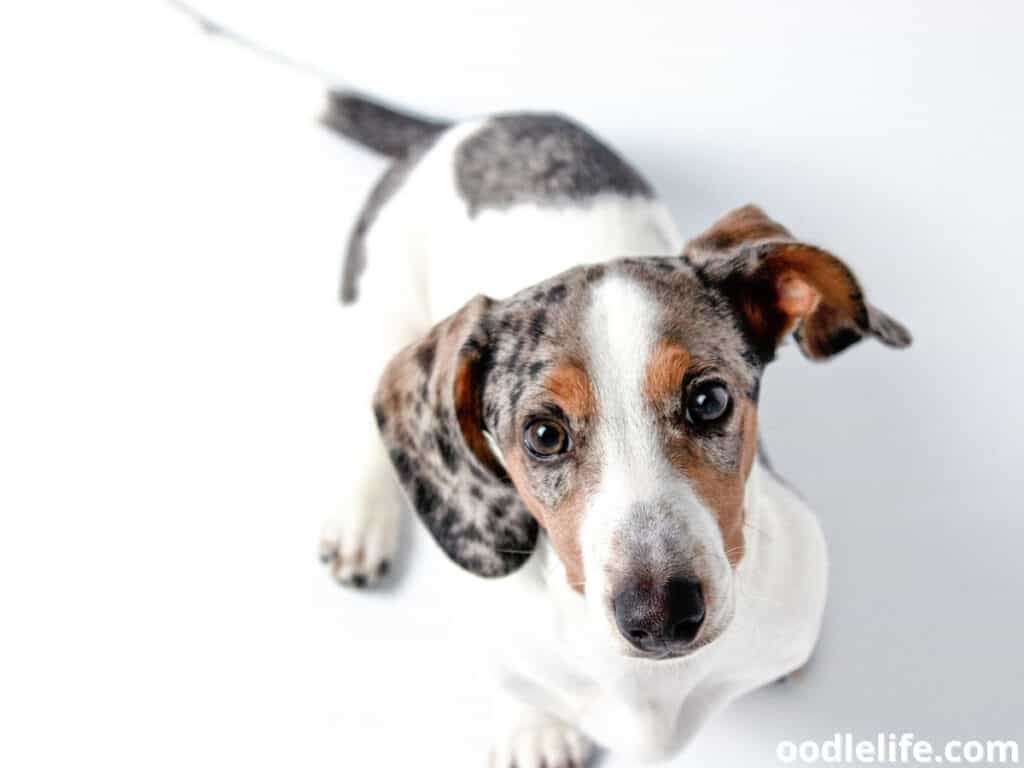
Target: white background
174 361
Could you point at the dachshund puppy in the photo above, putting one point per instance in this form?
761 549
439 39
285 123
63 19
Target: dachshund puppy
568 398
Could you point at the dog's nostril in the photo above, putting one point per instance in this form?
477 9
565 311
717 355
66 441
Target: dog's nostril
635 614
685 604
685 630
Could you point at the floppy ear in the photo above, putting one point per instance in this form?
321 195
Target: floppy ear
429 409
782 286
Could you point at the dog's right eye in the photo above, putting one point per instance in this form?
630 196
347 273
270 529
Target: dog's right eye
545 438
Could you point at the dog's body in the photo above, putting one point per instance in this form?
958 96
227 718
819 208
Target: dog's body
493 206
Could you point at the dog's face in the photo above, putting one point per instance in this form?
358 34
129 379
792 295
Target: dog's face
615 407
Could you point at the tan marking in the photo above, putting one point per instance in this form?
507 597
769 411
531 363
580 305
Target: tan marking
720 491
570 387
562 524
466 396
820 272
723 492
809 285
665 372
451 370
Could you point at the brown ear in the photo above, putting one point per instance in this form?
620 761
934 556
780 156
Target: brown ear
782 286
429 409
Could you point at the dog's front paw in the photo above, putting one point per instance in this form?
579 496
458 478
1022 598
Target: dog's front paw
541 743
358 545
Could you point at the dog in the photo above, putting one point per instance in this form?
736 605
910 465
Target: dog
567 397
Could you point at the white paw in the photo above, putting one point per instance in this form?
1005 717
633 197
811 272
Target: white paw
541 743
358 545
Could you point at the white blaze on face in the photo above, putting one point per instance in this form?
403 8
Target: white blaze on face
621 328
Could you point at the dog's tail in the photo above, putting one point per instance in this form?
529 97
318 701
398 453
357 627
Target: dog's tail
349 114
373 125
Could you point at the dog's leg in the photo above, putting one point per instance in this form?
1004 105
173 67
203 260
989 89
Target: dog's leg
358 542
530 738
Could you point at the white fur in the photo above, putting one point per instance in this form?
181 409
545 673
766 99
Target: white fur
621 328
562 661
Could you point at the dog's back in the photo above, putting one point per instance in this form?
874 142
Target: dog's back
489 205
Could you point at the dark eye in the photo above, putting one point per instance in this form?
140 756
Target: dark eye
707 402
545 438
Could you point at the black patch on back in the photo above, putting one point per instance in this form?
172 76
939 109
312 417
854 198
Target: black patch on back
544 159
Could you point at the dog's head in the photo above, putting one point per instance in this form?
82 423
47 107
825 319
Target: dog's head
615 407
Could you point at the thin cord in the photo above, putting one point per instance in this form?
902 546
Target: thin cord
214 28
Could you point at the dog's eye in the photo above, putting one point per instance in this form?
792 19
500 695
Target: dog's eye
707 402
545 438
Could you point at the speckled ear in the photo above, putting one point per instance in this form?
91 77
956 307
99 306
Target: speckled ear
781 286
429 409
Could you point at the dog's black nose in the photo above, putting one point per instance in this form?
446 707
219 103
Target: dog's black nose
660 618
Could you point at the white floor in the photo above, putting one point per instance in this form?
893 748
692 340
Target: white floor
174 361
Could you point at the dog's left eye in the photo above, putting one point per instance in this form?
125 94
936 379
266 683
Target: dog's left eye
707 402
546 438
